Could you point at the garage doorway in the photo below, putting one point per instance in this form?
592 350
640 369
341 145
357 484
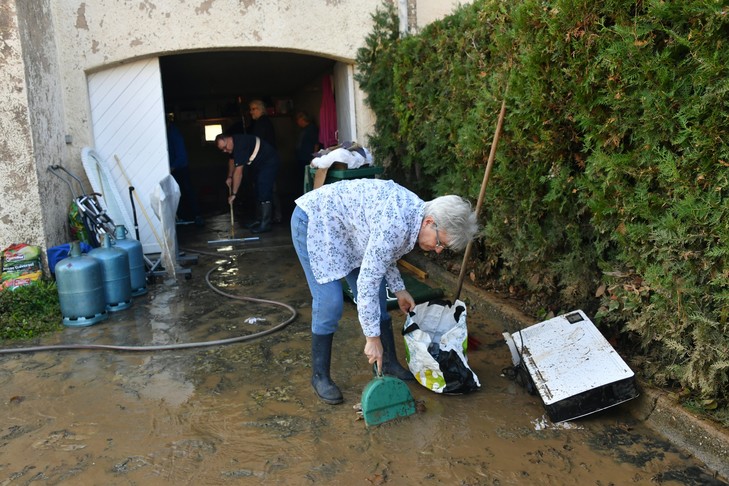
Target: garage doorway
213 89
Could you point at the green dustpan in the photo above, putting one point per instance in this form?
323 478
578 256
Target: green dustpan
385 398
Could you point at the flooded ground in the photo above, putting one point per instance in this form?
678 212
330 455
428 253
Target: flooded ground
245 413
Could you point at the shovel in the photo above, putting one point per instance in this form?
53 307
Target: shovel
385 398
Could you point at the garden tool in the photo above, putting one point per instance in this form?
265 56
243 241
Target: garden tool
487 173
385 398
232 240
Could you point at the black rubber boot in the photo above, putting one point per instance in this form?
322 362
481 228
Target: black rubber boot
266 218
390 364
321 356
252 223
277 217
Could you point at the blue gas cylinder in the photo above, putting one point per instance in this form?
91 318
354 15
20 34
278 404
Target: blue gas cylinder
80 286
115 269
137 272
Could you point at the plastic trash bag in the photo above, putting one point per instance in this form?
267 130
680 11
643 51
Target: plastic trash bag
436 338
164 200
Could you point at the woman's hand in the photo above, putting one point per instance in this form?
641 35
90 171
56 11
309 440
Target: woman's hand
405 301
373 351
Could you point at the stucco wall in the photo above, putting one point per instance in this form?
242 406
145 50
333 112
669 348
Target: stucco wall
46 120
428 11
19 218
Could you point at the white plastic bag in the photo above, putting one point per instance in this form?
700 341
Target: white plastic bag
164 200
436 338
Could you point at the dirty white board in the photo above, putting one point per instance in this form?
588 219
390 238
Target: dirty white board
128 121
573 368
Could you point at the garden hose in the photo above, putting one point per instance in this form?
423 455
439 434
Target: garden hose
164 347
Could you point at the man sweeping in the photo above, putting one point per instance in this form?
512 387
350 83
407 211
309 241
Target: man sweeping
358 229
252 152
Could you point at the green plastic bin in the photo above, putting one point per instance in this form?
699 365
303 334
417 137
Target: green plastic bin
335 175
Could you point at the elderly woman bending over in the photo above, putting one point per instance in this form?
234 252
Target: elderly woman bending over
358 229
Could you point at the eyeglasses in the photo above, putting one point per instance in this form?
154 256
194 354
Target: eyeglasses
438 243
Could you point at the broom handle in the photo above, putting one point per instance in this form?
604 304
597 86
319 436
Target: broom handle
232 223
139 203
486 174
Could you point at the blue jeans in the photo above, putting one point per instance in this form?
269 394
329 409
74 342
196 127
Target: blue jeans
327 299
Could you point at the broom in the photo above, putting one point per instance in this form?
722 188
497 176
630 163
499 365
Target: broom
232 240
474 342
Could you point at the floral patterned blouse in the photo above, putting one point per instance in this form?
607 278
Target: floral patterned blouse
365 223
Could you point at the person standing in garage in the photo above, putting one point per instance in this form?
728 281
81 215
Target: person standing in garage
180 170
253 153
262 127
306 144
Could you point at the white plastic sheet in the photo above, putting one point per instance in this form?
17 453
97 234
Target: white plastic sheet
164 200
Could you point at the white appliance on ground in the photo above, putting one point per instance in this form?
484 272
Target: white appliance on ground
571 366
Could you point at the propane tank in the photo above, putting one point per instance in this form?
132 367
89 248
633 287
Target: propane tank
115 271
80 284
137 273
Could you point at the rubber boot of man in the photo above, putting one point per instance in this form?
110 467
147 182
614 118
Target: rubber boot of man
277 216
390 364
321 357
255 221
266 217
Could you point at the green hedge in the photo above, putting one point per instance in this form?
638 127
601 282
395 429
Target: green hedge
609 190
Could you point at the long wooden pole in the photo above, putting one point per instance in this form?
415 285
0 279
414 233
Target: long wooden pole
232 218
139 203
486 174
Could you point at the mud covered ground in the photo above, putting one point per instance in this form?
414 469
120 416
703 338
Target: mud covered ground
245 413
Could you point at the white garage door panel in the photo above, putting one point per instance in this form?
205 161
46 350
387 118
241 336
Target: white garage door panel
127 115
344 92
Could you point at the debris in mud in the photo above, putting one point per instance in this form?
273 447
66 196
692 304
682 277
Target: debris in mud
63 440
278 393
129 464
241 473
17 399
543 423
378 478
14 432
285 425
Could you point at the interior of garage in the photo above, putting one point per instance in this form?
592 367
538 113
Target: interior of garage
211 89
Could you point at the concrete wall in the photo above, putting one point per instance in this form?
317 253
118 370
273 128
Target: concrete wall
50 46
428 11
19 198
33 202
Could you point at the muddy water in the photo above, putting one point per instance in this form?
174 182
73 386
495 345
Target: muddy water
245 413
